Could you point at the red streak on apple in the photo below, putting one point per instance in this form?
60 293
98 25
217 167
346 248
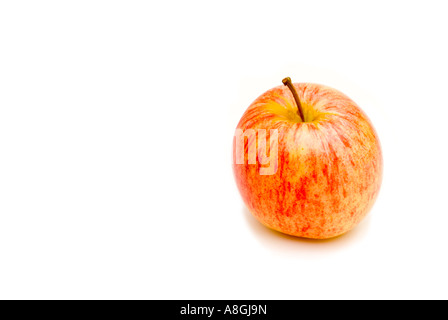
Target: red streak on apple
329 167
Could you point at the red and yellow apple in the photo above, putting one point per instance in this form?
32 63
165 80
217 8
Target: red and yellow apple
327 167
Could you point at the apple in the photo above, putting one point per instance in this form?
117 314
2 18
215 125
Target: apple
307 160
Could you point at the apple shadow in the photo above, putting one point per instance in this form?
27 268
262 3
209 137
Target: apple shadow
281 242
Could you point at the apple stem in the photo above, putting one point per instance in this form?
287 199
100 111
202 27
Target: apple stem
287 82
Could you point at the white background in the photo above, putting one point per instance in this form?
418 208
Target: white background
116 126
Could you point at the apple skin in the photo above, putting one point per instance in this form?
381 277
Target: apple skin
329 168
